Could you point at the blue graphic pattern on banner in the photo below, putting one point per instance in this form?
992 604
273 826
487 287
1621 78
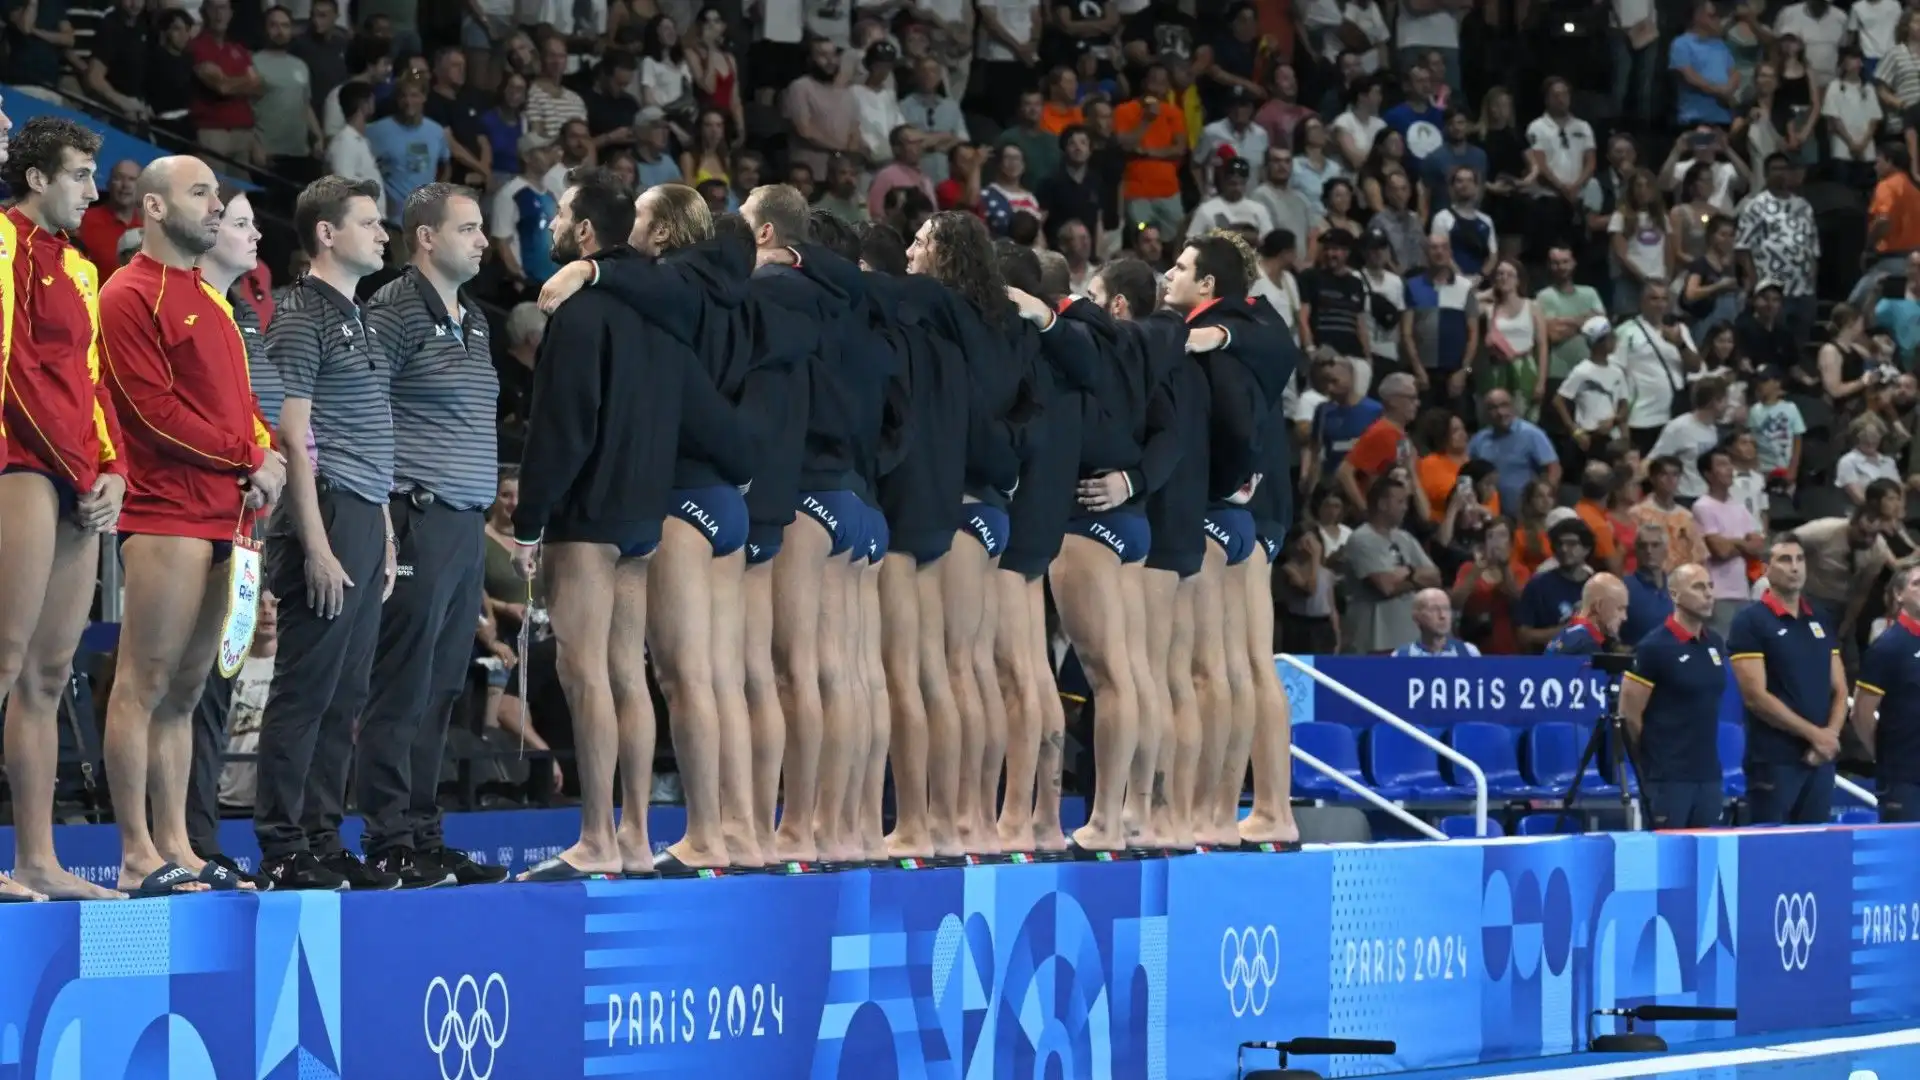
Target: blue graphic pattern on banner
1461 952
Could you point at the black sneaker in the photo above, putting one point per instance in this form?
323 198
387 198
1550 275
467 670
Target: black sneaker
413 871
359 875
301 871
261 882
464 870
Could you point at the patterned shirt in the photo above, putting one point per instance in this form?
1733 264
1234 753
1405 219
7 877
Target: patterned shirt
1779 233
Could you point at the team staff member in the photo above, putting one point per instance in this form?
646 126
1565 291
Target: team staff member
63 481
1671 703
1596 626
1886 704
444 392
199 460
330 547
1787 662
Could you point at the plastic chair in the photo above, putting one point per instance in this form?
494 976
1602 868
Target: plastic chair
1460 827
1544 825
1733 751
1490 746
1404 769
1335 744
1552 749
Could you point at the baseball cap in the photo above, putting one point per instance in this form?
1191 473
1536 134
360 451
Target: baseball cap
533 140
650 114
1339 238
882 52
1596 330
1236 166
1769 283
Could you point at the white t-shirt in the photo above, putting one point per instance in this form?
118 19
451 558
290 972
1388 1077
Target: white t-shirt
1372 22
1856 468
1688 438
1565 145
1218 213
1434 30
1016 17
1654 367
1385 338
503 224
1852 106
1595 391
668 82
1724 175
1874 21
1646 244
830 19
1627 13
1284 295
349 155
1821 36
1362 132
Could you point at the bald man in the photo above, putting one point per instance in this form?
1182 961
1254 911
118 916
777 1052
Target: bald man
1433 618
1594 628
1671 704
200 463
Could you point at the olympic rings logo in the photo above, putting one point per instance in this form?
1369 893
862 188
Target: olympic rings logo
466 1025
1796 919
1249 967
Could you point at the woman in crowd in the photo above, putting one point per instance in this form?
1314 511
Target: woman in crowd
715 71
1516 341
1755 127
1486 588
1312 623
1710 292
1530 545
1509 169
503 124
1864 464
1007 194
1389 154
1720 359
1846 362
1688 220
1337 199
1445 436
1314 162
1796 105
707 158
1642 250
663 80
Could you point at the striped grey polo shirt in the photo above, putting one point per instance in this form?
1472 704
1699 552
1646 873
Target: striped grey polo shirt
268 390
445 392
325 355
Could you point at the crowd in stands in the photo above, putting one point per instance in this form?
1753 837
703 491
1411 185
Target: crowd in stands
1582 330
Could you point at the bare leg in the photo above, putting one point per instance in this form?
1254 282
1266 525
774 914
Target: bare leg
879 704
1215 696
1272 816
797 571
1180 754
963 584
849 837
32 727
763 704
1015 655
840 712
1232 779
730 696
625 645
1086 586
1147 797
170 737
900 651
581 597
993 715
680 636
1047 832
943 715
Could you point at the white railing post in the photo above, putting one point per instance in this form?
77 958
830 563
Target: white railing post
1856 791
1369 794
1438 747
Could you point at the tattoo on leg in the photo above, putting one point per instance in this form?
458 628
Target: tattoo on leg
1159 790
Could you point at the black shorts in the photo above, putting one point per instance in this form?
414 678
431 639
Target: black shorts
63 488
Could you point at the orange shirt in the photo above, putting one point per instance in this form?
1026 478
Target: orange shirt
1055 119
1596 518
1530 549
1151 178
1897 200
1436 474
1375 451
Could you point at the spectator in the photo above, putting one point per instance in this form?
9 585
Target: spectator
1684 544
610 106
1333 303
1445 323
1486 590
369 64
1847 365
1687 437
1312 625
1342 418
106 221
1897 76
878 105
1534 518
1795 106
1709 87
1469 232
1622 497
1338 207
1567 309
1552 595
1314 163
841 196
715 70
1384 445
1389 156
710 155
1749 487
1456 151
349 154
1600 395
523 211
1442 468
411 149
1433 626
1710 290
1283 112
1155 133
39 33
1420 33
502 123
1039 147
1238 58
902 172
1075 245
1289 208
1732 537
1092 23
1515 447
1075 192
222 107
1418 118
1275 282
1648 601
1762 336
1234 136
323 44
1778 241
1008 196
1720 362
458 110
1508 168
1633 40
284 123
1656 357
1385 567
117 66
938 117
1821 29
1230 207
576 151
1516 341
1641 250
1893 223
652 165
1401 224
551 105
1355 130
1389 325
1845 556
1009 55
1596 484
1853 116
1862 465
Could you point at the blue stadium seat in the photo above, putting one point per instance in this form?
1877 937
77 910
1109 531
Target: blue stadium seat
1733 750
1852 815
1552 750
1489 746
1460 827
1404 769
1543 825
1335 744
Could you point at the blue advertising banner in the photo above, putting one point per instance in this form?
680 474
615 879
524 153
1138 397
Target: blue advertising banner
1461 952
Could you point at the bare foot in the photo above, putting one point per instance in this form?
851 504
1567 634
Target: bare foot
946 842
1262 829
591 859
698 858
1047 836
57 884
13 891
744 849
1015 835
904 845
967 835
635 853
1090 839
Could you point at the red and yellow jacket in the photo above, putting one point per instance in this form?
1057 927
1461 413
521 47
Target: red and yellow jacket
177 370
60 420
9 243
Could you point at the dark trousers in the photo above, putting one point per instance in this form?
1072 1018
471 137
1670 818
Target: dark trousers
209 750
1683 804
419 671
319 678
1899 803
1790 794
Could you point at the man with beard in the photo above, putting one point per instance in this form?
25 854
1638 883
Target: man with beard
444 394
64 479
200 460
330 557
825 118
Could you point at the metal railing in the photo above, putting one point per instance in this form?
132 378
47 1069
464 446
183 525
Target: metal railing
1855 790
1405 816
1431 743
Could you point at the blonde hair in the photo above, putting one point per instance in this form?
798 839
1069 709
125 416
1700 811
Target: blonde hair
1248 256
682 212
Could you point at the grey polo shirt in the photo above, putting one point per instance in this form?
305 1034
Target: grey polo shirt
445 393
325 355
268 390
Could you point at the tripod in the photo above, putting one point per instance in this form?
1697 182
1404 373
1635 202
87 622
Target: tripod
1628 765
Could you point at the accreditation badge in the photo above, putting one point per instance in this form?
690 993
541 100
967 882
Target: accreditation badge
1818 632
243 605
1714 655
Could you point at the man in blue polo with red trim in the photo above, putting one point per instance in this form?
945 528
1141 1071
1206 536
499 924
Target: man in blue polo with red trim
1603 607
1886 704
1786 659
1671 704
